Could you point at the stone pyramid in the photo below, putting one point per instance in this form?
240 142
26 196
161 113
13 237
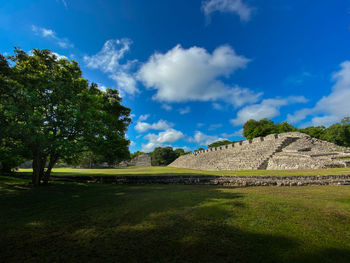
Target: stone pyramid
292 150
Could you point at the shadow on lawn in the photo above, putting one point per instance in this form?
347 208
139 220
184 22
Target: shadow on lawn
108 223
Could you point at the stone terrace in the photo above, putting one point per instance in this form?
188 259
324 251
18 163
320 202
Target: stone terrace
276 151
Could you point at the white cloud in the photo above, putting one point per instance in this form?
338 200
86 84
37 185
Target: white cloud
268 108
125 82
238 133
193 74
50 34
167 107
111 53
59 56
213 127
157 140
227 6
331 108
102 88
203 139
160 125
185 110
108 60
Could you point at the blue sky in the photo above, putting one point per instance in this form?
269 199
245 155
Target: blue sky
194 71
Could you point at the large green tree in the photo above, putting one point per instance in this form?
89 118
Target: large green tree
11 148
338 133
163 156
253 128
56 114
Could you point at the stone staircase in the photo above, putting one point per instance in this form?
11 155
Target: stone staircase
287 141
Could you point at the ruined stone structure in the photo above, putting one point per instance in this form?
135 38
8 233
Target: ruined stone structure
209 180
292 150
141 160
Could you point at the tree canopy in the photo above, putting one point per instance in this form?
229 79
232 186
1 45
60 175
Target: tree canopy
52 112
219 143
338 133
165 155
264 127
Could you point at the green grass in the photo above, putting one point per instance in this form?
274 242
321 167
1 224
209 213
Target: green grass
70 222
171 171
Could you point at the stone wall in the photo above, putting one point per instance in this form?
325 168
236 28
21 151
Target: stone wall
293 150
141 160
229 181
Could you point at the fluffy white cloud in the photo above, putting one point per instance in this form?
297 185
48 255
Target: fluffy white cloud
268 108
331 108
108 60
193 74
227 6
158 140
111 53
160 125
185 110
50 34
144 117
204 139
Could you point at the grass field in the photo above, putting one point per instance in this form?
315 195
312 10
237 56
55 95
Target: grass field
70 222
171 171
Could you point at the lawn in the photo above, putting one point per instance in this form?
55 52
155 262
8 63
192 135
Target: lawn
70 222
172 171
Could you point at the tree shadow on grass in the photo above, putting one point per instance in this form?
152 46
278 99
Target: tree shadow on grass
69 222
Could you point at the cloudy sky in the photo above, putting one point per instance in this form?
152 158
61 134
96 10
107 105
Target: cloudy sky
194 71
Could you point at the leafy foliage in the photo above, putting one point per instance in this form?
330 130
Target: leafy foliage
338 133
165 155
264 127
54 113
219 143
135 154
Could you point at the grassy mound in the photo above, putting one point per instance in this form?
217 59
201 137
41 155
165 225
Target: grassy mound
70 222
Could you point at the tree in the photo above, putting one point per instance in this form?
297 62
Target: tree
253 128
345 120
315 132
338 134
219 143
11 149
56 114
163 156
135 154
199 149
284 127
179 152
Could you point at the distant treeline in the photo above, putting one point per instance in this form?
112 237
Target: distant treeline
338 133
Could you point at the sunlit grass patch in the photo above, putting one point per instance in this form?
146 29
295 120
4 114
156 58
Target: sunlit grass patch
172 171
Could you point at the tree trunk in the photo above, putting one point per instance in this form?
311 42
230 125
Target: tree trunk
39 162
47 174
